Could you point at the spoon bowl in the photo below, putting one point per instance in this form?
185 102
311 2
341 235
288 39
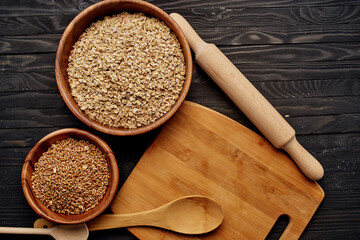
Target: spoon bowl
193 215
70 232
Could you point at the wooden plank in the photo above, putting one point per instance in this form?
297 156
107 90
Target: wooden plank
13 156
27 62
38 24
291 109
279 17
123 147
14 85
252 54
18 118
221 36
344 169
37 7
288 106
281 89
179 4
29 44
332 219
331 144
292 52
282 81
286 70
244 35
299 107
309 88
27 81
276 22
304 125
11 8
332 234
44 118
344 123
300 70
341 201
31 100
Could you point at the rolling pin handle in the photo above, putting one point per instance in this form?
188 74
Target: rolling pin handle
305 161
194 40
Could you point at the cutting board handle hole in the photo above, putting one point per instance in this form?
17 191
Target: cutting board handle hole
278 228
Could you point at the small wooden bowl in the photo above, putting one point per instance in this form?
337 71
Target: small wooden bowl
78 26
40 148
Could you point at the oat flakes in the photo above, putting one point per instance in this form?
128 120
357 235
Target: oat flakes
126 71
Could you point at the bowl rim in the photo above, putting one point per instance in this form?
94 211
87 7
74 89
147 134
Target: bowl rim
62 81
104 203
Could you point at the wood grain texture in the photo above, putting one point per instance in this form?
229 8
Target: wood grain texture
249 3
34 24
202 152
261 17
319 93
284 53
28 81
220 35
11 8
225 17
290 70
29 44
237 54
243 35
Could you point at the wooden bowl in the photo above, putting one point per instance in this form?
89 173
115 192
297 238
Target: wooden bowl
77 27
40 148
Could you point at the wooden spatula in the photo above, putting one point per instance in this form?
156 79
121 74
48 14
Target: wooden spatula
265 117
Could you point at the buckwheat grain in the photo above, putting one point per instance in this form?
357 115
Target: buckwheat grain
71 177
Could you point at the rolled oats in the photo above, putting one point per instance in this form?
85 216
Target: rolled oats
126 71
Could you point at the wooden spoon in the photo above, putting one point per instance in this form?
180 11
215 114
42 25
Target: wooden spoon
187 215
59 232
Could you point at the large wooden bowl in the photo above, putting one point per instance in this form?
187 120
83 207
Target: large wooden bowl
40 148
77 27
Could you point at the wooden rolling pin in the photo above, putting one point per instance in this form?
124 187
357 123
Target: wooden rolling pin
265 117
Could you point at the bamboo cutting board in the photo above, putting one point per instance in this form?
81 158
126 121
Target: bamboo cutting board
200 151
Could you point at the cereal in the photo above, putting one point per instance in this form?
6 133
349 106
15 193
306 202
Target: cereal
126 71
71 177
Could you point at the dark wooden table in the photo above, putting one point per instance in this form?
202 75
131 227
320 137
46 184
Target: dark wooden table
303 56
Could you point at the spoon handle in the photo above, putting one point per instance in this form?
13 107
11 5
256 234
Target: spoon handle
109 221
265 117
20 230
